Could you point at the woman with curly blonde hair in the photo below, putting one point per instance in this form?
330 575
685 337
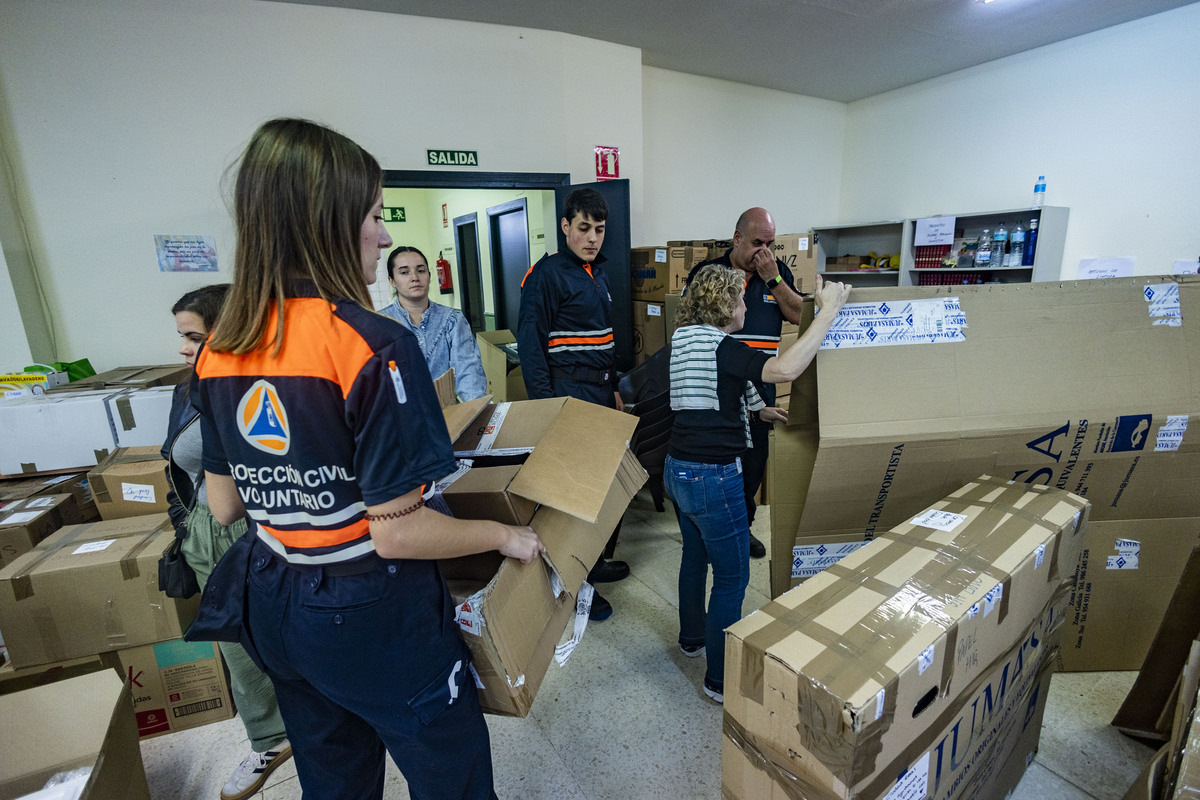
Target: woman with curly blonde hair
712 396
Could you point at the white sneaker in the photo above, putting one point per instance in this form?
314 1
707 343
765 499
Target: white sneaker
714 694
252 773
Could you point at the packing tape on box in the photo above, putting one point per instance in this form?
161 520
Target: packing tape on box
755 751
125 412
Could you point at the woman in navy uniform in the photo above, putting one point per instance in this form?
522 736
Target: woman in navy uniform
321 426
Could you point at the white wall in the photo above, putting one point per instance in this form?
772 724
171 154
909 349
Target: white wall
125 113
715 148
14 344
1112 119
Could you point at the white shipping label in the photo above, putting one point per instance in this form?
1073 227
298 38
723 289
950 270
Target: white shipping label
809 559
660 256
992 598
880 696
802 243
1164 303
973 610
925 660
468 617
93 547
1128 551
896 323
1039 555
137 493
20 518
913 783
939 520
653 310
40 502
492 429
59 479
1170 435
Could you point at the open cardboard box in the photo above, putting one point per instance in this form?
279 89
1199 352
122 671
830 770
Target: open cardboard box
1086 386
568 464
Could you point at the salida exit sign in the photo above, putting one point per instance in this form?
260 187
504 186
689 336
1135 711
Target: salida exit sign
453 158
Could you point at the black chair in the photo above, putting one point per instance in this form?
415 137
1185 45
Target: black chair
646 392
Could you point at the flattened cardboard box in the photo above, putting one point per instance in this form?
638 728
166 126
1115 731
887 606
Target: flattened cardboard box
85 721
176 685
580 477
1086 386
130 482
24 523
847 680
132 378
90 589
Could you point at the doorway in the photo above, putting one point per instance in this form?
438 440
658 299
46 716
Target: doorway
508 234
466 245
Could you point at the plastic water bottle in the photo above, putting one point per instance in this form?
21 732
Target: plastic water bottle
1016 247
1000 246
1030 244
1039 192
983 252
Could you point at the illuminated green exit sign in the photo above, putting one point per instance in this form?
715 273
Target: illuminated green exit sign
393 214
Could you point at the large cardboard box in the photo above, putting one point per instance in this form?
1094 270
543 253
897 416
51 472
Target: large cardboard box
131 378
576 468
1085 386
81 511
649 330
796 251
680 261
176 685
76 430
650 272
85 721
505 381
18 680
130 482
24 523
919 655
90 589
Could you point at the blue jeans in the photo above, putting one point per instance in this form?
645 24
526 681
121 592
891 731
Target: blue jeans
364 662
712 506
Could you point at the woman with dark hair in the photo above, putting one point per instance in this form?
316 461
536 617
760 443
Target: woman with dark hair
443 332
712 395
322 427
204 542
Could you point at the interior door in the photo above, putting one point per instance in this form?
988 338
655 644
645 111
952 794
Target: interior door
508 238
616 250
466 244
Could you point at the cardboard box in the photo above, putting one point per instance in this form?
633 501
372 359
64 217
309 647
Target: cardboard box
482 493
76 430
85 721
1148 784
1082 385
915 655
130 482
176 685
670 309
581 477
81 511
90 589
18 680
22 384
24 523
131 378
797 252
649 330
680 261
650 273
505 381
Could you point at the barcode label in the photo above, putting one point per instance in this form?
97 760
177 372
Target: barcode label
197 708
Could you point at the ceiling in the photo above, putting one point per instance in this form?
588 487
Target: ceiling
841 50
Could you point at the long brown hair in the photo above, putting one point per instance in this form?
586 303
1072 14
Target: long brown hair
301 196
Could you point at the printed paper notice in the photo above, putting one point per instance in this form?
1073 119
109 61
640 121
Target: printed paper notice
1170 435
1095 268
934 230
896 323
809 559
992 598
1128 551
913 784
137 493
20 518
178 253
93 547
1186 267
660 255
1164 303
939 520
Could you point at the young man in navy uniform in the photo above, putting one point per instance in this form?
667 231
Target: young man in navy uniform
565 335
771 298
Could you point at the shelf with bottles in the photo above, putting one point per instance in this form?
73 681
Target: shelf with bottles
1047 256
887 238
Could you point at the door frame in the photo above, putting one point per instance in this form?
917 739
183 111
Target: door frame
451 179
464 279
501 289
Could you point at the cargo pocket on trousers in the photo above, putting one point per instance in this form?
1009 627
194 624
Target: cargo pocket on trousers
443 691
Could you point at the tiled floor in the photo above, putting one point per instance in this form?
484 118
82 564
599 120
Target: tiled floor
626 718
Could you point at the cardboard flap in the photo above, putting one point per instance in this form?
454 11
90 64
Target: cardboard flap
460 415
556 476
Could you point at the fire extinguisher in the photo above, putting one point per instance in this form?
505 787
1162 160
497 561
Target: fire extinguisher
443 273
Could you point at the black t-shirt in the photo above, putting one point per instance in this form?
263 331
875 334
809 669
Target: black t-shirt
718 436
